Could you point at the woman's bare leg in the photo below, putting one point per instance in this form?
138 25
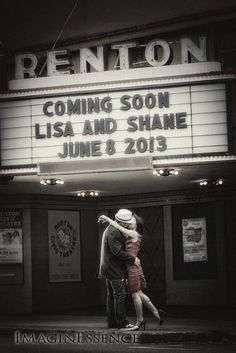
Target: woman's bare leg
147 302
138 306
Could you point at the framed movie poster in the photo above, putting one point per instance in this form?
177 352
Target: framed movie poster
11 224
194 239
64 246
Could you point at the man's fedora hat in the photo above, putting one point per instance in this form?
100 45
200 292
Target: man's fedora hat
125 216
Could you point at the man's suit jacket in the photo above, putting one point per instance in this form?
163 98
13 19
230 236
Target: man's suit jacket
114 258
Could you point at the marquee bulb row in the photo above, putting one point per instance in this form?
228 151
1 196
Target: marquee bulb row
211 182
165 172
52 181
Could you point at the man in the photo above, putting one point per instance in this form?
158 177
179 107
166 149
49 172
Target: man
113 263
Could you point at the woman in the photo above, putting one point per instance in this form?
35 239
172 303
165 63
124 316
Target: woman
136 280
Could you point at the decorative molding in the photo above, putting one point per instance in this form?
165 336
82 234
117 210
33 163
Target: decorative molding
165 198
95 166
189 160
112 76
116 80
19 171
116 86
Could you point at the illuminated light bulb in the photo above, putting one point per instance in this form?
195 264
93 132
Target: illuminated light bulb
154 172
51 182
220 182
161 171
203 182
176 172
87 193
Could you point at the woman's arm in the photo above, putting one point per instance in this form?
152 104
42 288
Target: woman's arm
127 232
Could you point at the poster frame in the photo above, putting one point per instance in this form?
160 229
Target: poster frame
194 270
79 244
194 236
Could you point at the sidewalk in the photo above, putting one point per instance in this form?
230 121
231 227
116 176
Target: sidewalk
173 330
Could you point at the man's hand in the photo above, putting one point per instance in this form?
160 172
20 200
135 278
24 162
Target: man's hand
137 262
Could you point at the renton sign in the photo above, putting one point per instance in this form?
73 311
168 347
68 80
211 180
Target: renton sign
157 53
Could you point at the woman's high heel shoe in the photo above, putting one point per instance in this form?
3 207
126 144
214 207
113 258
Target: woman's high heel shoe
140 324
158 316
162 312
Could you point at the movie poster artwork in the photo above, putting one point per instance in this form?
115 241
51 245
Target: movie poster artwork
64 246
194 239
11 236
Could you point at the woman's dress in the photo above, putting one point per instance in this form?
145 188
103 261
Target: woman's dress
136 279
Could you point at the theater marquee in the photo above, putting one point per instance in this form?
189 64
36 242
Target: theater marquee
138 122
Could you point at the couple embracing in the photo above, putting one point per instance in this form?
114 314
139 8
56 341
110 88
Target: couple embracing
120 266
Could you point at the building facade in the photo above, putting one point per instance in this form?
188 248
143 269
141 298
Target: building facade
146 119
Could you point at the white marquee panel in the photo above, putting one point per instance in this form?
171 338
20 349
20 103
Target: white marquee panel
15 112
179 142
16 143
205 129
208 96
209 140
16 154
208 107
213 129
15 123
57 142
211 149
211 87
13 133
209 118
